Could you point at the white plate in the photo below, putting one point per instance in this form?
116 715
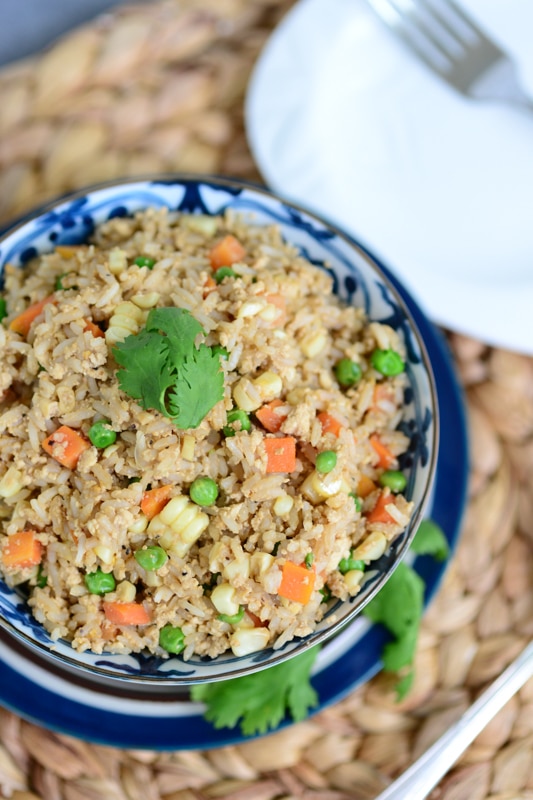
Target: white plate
341 117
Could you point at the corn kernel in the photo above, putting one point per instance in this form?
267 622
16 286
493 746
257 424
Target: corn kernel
283 505
214 557
152 579
126 319
352 580
104 553
372 548
318 487
224 599
314 344
118 261
269 385
173 509
238 569
245 396
178 525
139 525
11 483
200 223
145 301
244 641
250 308
125 592
187 447
260 563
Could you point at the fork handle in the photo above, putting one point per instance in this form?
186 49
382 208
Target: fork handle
501 83
419 779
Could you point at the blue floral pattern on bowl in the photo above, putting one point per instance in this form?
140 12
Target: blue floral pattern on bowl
357 279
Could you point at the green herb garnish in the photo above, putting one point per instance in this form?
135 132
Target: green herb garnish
164 369
260 701
400 603
430 541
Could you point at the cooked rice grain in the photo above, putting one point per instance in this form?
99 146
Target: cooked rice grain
90 518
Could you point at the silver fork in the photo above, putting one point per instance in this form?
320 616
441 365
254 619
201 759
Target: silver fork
452 44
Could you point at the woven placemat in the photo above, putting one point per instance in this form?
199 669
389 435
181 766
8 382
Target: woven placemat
160 87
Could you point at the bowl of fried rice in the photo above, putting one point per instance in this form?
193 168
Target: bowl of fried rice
218 430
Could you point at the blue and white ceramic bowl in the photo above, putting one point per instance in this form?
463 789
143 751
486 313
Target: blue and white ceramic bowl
357 279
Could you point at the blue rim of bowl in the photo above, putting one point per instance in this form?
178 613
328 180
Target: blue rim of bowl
399 549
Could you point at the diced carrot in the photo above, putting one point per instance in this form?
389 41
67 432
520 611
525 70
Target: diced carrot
66 446
268 417
281 454
67 250
22 323
94 329
209 285
365 486
379 513
226 252
297 582
22 549
330 424
386 458
126 613
154 500
279 301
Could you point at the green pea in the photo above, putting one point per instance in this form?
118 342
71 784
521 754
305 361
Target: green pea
99 582
308 560
347 564
101 434
347 372
326 461
224 272
3 308
232 619
41 579
203 491
394 479
151 558
241 418
388 362
144 261
133 480
326 593
218 350
357 501
172 639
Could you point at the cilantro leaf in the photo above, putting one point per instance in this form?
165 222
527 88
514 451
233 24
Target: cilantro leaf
145 373
180 329
162 368
261 700
199 386
399 605
430 541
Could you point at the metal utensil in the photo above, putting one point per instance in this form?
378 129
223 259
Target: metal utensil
452 44
422 776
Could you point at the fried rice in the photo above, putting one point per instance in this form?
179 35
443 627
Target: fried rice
279 332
